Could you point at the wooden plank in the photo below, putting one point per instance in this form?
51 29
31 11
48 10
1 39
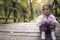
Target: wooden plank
22 31
21 27
58 17
7 18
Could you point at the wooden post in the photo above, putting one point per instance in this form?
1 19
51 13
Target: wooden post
15 13
8 15
31 9
55 1
24 13
5 8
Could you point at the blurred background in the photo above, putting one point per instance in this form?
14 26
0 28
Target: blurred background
12 11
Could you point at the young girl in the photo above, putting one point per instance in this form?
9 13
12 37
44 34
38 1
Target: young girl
47 21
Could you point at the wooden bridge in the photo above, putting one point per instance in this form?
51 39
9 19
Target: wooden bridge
22 31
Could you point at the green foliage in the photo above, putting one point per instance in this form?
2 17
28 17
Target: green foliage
58 1
21 4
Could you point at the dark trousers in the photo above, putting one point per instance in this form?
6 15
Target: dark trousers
47 28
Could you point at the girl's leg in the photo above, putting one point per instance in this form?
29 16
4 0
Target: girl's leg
53 34
43 35
52 28
43 28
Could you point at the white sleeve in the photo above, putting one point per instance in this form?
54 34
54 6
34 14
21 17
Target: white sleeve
54 20
38 22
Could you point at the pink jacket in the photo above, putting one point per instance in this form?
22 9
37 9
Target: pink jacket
47 19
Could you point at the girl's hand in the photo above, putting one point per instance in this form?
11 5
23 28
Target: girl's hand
43 22
52 23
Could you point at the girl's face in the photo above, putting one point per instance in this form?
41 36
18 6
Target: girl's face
46 10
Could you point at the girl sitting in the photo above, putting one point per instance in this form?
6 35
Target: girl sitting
47 21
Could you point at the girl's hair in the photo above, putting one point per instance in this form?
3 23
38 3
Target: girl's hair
49 6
